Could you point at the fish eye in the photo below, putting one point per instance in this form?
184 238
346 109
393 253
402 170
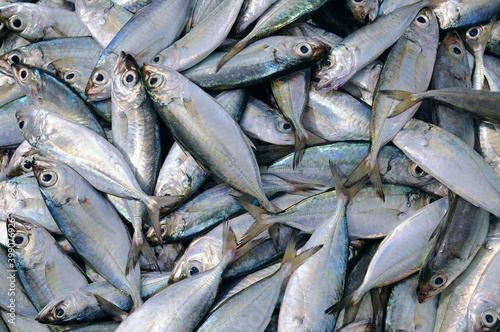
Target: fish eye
129 79
430 200
156 59
21 240
27 165
303 49
17 23
15 58
155 80
439 280
194 268
21 124
358 1
327 64
59 312
163 229
489 318
101 77
417 171
23 73
473 32
422 20
456 50
284 126
48 178
69 77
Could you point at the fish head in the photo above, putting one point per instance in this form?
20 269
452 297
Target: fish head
304 49
363 11
31 122
127 78
476 37
100 81
452 59
403 170
424 31
483 312
27 20
75 76
72 306
160 81
27 235
337 68
57 181
431 283
201 256
21 161
29 80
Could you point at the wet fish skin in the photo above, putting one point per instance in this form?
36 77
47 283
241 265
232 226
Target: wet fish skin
421 140
277 16
452 70
91 155
336 116
103 18
201 40
164 15
180 175
266 123
81 305
21 161
365 45
46 92
215 141
43 267
263 60
36 22
78 210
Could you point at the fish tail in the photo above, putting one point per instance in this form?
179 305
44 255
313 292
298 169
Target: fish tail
260 224
235 50
111 309
350 299
153 204
300 145
408 99
297 260
376 181
360 173
140 246
340 189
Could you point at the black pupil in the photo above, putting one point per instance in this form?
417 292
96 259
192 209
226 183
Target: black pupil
358 1
21 124
438 281
473 32
431 200
489 318
15 59
153 81
129 78
24 73
46 177
421 19
99 78
418 170
457 51
193 270
286 126
18 239
27 164
70 76
328 63
304 49
156 59
59 312
17 23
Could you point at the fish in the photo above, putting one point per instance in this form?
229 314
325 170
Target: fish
186 109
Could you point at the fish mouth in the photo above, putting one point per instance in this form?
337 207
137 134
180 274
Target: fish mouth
325 84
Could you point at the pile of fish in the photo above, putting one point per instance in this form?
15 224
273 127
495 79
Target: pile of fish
250 165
